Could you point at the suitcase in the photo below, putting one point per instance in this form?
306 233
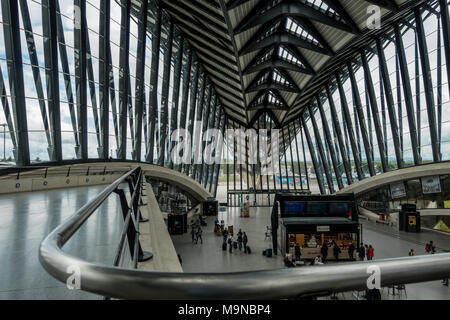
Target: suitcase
248 250
235 245
224 247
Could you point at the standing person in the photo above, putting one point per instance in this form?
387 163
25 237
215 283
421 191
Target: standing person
362 252
432 247
199 235
336 251
298 252
351 250
366 247
371 253
193 234
225 238
324 252
230 243
245 241
239 240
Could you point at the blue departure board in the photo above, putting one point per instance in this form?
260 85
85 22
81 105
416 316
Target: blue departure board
294 208
317 208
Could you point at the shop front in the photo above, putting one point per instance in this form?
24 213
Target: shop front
310 234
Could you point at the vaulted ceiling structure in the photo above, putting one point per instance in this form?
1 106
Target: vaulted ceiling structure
272 56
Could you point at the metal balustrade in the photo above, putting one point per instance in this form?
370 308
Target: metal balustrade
123 283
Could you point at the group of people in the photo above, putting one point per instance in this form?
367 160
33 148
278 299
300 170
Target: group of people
240 242
196 234
430 248
366 252
336 251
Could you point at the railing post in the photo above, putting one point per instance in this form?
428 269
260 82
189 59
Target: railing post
131 232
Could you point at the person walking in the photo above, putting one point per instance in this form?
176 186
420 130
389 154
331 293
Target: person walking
324 252
362 252
230 243
336 251
298 252
199 235
193 234
371 253
225 238
432 247
239 239
351 251
245 241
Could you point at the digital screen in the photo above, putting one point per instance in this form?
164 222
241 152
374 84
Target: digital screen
292 207
339 209
317 208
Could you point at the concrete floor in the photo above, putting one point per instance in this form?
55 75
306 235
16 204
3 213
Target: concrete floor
209 257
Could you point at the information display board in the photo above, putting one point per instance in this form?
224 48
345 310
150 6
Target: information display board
398 190
431 185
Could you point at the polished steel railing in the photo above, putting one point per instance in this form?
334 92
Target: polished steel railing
127 283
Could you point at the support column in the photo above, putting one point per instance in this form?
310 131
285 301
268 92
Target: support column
176 93
165 97
124 73
390 102
104 69
329 141
185 94
140 79
375 112
153 95
11 30
407 93
362 120
80 31
321 150
313 157
349 125
428 83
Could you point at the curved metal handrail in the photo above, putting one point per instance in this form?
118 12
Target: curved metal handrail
268 284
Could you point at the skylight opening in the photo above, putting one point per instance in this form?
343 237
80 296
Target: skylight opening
294 28
285 55
322 7
278 78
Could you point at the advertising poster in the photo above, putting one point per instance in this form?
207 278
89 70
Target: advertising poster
431 185
398 190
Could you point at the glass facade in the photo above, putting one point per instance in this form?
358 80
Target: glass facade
389 100
100 80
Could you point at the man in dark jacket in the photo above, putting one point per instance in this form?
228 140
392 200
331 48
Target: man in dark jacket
336 251
351 250
324 252
245 241
362 252
298 252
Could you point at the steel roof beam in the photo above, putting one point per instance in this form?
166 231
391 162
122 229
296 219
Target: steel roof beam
275 63
293 8
282 37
